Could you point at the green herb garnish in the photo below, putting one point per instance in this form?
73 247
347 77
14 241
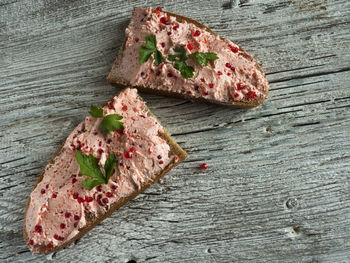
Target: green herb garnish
109 123
96 111
89 167
149 49
179 60
202 58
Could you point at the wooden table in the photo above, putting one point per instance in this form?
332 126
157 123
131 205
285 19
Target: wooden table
277 187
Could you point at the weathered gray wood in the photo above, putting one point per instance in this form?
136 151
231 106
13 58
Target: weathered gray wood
277 188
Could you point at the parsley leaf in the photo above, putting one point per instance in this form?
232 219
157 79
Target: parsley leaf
109 166
158 57
144 54
89 167
185 70
151 42
91 183
202 58
96 111
109 123
179 60
149 49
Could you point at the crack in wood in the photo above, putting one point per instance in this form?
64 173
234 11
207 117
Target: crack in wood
303 104
299 85
13 160
310 75
305 124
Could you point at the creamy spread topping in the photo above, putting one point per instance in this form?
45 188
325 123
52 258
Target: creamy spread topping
232 77
60 205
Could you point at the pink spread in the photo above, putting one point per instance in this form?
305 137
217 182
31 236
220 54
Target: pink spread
59 205
232 77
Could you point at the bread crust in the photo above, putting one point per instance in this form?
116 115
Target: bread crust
118 82
92 221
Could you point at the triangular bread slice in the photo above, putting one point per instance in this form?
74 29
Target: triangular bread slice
234 79
60 210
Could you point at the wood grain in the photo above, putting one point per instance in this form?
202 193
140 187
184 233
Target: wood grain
277 188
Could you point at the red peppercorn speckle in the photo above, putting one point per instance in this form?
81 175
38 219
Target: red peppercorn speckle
38 229
136 39
162 44
100 151
128 155
113 187
204 166
74 180
57 237
169 33
88 199
109 141
120 132
219 73
99 188
75 195
124 108
42 191
159 157
110 105
189 47
252 95
160 162
47 186
80 200
76 217
54 195
203 80
205 93
228 74
228 65
235 95
133 150
75 224
49 245
31 242
176 27
240 86
233 49
62 225
170 75
158 9
109 194
196 33
164 20
67 215
211 85
105 201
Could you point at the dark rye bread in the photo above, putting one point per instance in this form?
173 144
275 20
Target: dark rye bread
118 82
92 221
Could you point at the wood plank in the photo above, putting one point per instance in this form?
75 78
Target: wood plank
277 187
